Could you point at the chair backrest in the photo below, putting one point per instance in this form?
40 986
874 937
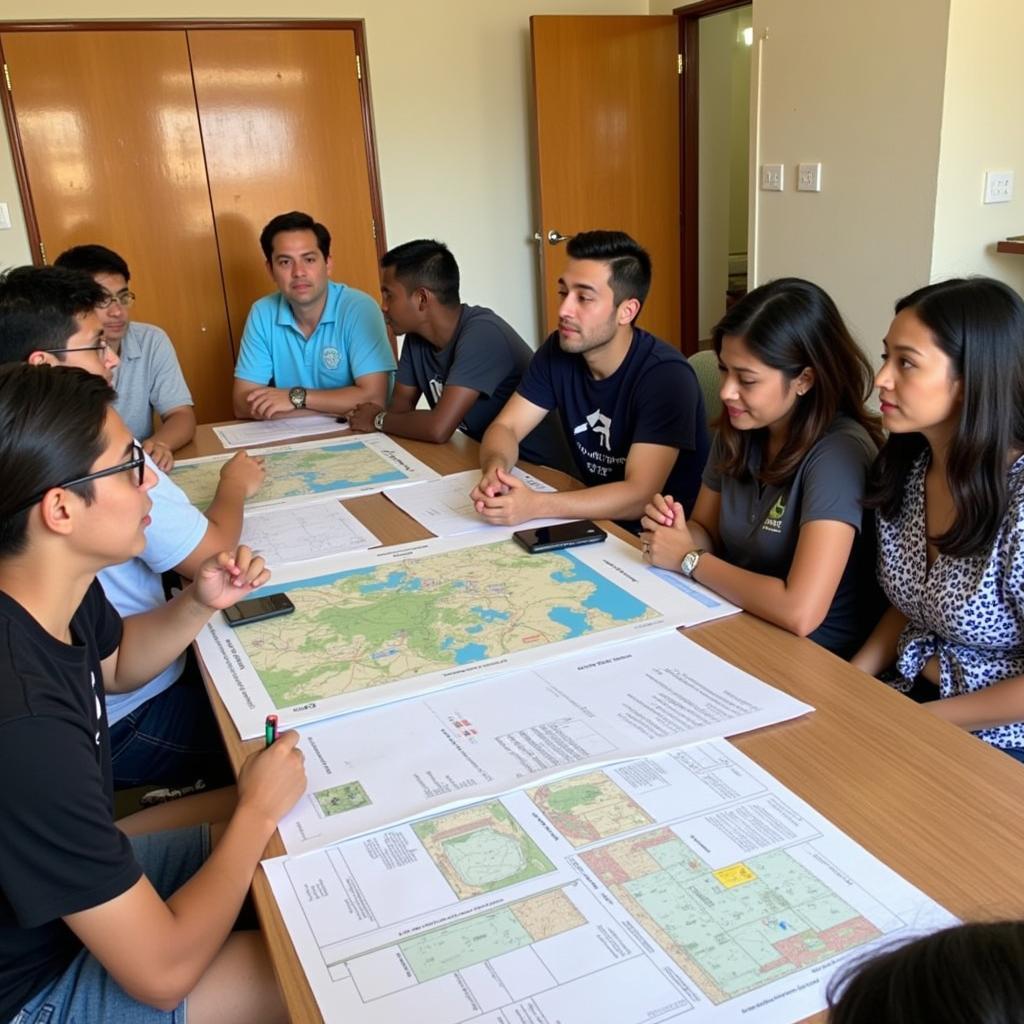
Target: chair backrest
705 365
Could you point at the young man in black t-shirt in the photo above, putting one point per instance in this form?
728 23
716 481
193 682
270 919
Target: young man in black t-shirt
630 404
94 925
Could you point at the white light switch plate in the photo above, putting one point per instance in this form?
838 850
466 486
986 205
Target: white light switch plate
771 177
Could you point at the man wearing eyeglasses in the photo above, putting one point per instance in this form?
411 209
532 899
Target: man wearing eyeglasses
164 732
149 378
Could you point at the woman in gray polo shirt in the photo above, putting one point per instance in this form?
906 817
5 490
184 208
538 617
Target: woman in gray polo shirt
777 527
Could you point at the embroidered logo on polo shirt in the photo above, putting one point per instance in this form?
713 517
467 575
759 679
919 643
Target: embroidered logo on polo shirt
330 357
600 425
773 521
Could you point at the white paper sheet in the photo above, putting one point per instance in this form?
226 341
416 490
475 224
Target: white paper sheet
686 886
256 432
445 509
398 622
311 471
299 533
398 762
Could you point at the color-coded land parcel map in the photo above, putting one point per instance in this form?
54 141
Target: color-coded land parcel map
366 627
298 472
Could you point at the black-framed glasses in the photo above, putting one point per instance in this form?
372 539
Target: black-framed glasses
100 346
124 299
136 462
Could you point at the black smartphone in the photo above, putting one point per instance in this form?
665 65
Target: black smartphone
564 535
256 609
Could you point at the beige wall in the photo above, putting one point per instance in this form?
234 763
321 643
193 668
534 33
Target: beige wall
451 99
981 131
858 87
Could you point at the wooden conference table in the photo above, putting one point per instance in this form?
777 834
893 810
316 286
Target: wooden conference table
937 805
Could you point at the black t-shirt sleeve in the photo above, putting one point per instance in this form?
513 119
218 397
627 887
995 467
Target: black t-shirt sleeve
834 478
64 854
406 368
482 360
538 383
105 623
668 402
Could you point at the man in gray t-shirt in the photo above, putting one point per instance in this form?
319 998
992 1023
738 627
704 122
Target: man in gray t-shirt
149 379
465 360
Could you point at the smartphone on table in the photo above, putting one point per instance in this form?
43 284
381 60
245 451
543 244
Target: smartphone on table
256 609
563 535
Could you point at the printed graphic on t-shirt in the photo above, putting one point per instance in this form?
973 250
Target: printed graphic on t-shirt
330 357
773 521
436 386
99 707
600 425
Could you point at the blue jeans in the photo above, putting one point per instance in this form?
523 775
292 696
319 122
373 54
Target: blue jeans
85 991
171 740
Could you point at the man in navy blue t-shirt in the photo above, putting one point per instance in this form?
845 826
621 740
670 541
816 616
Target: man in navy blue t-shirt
630 404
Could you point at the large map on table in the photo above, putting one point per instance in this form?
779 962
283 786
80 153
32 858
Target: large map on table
367 627
343 468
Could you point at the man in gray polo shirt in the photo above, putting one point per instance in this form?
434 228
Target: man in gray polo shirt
464 359
149 378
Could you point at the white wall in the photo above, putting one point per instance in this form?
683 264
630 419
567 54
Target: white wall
858 87
451 97
981 130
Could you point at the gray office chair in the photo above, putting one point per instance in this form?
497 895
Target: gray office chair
705 364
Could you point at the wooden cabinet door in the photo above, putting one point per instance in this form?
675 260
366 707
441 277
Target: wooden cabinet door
282 120
606 93
110 136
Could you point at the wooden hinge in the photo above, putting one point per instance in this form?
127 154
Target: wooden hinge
373 227
679 63
7 77
42 252
359 68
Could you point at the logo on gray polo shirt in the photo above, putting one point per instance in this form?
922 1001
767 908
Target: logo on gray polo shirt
773 521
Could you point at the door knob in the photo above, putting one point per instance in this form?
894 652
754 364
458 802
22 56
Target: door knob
554 237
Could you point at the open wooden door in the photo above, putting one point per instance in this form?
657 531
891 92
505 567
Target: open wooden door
606 95
282 116
110 137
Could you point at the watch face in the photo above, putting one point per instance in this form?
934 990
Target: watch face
297 396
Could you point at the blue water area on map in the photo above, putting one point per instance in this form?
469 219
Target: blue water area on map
475 629
470 653
674 579
314 482
607 597
575 622
396 580
489 614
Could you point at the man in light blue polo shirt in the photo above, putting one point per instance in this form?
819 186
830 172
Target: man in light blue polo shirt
315 345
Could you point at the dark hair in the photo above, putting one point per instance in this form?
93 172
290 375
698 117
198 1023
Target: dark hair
294 221
979 324
629 262
790 324
51 430
93 260
970 974
38 306
425 263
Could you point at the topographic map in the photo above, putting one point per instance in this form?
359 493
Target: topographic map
366 627
349 466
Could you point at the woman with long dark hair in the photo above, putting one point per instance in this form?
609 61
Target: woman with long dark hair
949 490
777 524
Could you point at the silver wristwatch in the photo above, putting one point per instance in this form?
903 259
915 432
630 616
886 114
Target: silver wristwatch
378 420
689 563
297 396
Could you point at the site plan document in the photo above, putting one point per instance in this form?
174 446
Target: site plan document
256 432
393 623
446 510
300 533
310 470
690 886
457 746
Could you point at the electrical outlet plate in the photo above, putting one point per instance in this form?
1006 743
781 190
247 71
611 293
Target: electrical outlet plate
808 178
771 177
998 187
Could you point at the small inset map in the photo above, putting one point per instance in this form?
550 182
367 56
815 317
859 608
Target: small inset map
589 807
329 469
480 849
339 799
455 947
733 929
